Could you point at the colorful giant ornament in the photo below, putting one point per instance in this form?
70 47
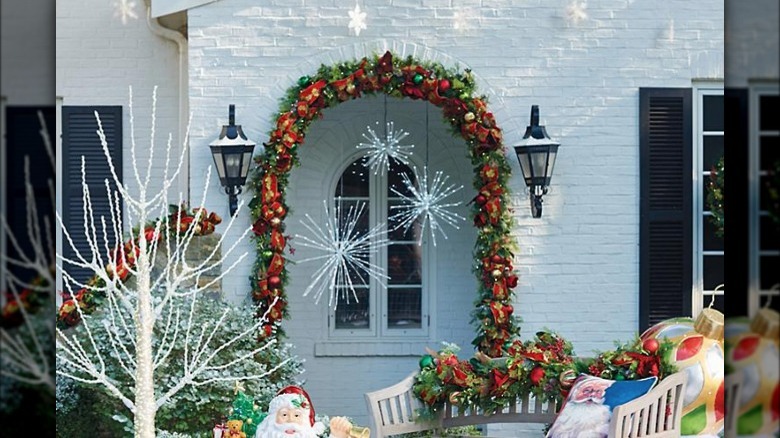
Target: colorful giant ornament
752 348
699 352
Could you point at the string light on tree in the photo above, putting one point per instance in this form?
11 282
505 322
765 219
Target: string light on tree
425 203
347 252
379 151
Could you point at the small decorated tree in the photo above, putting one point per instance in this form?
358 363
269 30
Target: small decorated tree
715 196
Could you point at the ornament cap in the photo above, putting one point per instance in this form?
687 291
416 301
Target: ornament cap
766 323
710 323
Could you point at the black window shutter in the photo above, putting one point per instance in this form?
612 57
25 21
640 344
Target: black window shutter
665 236
79 138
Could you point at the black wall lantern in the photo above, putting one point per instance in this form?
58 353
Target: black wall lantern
536 153
232 153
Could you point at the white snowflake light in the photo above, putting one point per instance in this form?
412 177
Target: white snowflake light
425 203
357 20
346 252
575 12
125 9
379 150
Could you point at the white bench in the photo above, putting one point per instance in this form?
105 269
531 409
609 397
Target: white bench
393 411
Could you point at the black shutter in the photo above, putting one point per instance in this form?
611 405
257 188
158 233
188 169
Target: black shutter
665 237
79 138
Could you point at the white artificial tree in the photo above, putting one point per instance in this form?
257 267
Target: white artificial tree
24 356
154 296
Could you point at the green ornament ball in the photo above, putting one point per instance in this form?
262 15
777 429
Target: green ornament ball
304 81
418 78
267 254
426 362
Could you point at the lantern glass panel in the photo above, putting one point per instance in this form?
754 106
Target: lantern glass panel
232 164
217 153
247 160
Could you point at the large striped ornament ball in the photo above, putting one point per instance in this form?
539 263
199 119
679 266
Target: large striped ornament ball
752 348
699 353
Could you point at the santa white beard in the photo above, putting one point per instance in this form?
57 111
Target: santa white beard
581 420
269 428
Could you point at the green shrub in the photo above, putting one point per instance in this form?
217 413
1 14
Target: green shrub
194 410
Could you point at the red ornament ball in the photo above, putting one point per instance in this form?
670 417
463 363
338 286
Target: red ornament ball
444 85
536 375
497 259
650 345
480 200
274 281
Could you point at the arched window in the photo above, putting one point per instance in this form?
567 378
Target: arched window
396 306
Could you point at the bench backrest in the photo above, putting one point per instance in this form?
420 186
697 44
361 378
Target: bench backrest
649 414
393 410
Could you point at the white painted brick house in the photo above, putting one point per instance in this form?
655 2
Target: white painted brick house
581 266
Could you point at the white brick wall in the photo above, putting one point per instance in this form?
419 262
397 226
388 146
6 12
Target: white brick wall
581 258
754 42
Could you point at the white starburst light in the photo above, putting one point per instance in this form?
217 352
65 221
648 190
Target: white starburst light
347 252
357 20
426 203
379 151
124 10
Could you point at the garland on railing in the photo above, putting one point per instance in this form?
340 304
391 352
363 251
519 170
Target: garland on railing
544 367
180 221
30 298
467 114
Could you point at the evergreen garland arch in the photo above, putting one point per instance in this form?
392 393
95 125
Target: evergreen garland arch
466 113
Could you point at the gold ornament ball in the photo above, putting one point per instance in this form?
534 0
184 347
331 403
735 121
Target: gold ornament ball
497 273
469 117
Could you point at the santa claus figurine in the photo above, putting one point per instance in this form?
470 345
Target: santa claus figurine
291 415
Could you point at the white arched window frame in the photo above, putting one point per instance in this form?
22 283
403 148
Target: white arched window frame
381 315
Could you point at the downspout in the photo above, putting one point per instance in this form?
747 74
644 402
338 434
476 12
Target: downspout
181 43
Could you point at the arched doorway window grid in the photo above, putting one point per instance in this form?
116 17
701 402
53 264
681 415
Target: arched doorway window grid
400 305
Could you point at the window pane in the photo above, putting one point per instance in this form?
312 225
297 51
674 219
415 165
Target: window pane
764 199
720 302
770 107
395 181
711 241
713 271
769 271
770 233
770 152
410 234
352 314
713 113
354 181
404 264
775 304
404 308
713 150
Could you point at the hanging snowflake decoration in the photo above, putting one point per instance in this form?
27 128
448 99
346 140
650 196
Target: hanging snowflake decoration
125 9
379 151
347 252
357 20
425 204
576 12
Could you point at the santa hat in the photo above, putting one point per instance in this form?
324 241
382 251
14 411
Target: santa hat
295 397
